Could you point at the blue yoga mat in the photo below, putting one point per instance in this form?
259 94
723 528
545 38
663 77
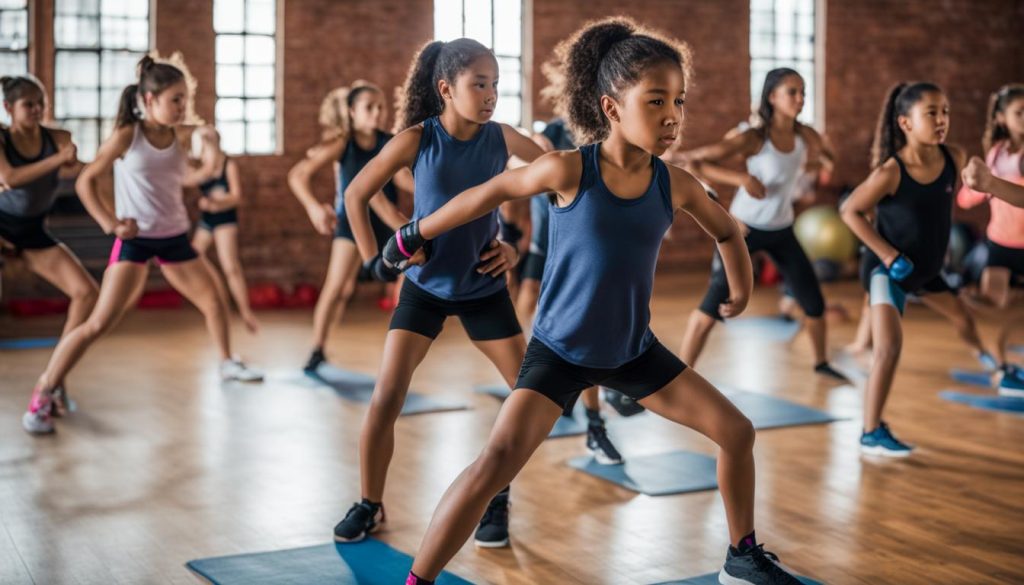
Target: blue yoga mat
712 579
29 343
565 426
369 562
767 328
986 402
358 387
769 412
972 377
675 472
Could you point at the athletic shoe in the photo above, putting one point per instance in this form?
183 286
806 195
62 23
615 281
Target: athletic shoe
624 405
362 518
826 369
601 446
38 419
236 370
754 567
62 403
988 361
316 358
1012 382
882 442
493 529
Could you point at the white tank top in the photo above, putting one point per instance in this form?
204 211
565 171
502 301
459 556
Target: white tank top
780 174
148 187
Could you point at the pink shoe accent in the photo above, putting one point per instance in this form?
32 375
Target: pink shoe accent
40 402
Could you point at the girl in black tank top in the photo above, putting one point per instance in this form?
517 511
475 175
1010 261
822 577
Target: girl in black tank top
911 190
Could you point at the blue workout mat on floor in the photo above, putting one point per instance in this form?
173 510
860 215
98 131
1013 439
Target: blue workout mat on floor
768 328
29 343
712 579
370 562
565 426
972 377
359 388
675 472
1007 404
769 412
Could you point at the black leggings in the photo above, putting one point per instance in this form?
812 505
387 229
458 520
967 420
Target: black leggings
789 257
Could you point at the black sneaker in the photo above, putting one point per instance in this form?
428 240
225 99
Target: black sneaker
315 359
754 567
493 529
362 519
826 369
601 446
624 405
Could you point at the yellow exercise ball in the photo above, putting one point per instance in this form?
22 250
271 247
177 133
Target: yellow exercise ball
823 234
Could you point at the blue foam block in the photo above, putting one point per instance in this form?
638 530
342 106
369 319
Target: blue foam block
565 426
767 328
712 579
358 387
369 562
972 377
675 472
986 402
29 343
769 412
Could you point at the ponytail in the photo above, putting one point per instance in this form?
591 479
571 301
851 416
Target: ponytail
153 77
128 110
997 104
336 109
419 98
889 137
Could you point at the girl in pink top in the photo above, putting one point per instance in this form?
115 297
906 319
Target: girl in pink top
1004 144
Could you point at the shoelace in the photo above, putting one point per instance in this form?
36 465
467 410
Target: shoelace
768 562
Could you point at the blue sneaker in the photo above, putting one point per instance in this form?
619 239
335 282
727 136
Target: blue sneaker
1012 382
882 442
988 361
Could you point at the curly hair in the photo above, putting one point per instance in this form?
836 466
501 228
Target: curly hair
997 104
419 98
605 57
889 137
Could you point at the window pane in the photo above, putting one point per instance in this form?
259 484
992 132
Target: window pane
230 49
13 63
14 29
508 29
259 81
229 109
259 50
510 78
76 32
478 21
229 80
260 17
228 15
78 7
86 134
260 138
508 110
259 110
13 4
117 69
447 19
232 136
782 34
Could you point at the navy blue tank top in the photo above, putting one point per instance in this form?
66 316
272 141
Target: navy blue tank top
352 161
595 296
35 198
916 220
207 186
446 166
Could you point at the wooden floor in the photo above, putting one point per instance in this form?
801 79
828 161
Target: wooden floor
163 464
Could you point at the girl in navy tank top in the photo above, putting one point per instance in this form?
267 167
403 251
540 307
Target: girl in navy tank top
218 223
31 160
447 139
910 192
621 88
352 118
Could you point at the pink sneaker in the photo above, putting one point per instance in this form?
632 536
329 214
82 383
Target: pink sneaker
38 419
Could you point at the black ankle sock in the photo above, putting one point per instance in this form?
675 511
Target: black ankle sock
747 543
594 417
413 579
374 505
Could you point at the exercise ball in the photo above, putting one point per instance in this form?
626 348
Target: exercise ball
824 236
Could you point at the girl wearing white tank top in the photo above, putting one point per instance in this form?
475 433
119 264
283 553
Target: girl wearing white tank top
150 166
779 154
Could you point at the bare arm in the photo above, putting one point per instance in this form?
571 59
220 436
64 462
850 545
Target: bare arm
743 144
557 171
18 176
112 149
519 146
861 205
719 174
194 176
979 179
399 152
689 195
300 178
231 199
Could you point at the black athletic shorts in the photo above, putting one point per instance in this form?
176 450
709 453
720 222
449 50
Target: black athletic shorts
484 319
26 233
211 221
165 250
546 372
380 229
1009 258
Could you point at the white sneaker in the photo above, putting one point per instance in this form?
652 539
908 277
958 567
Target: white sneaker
236 370
38 419
62 403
